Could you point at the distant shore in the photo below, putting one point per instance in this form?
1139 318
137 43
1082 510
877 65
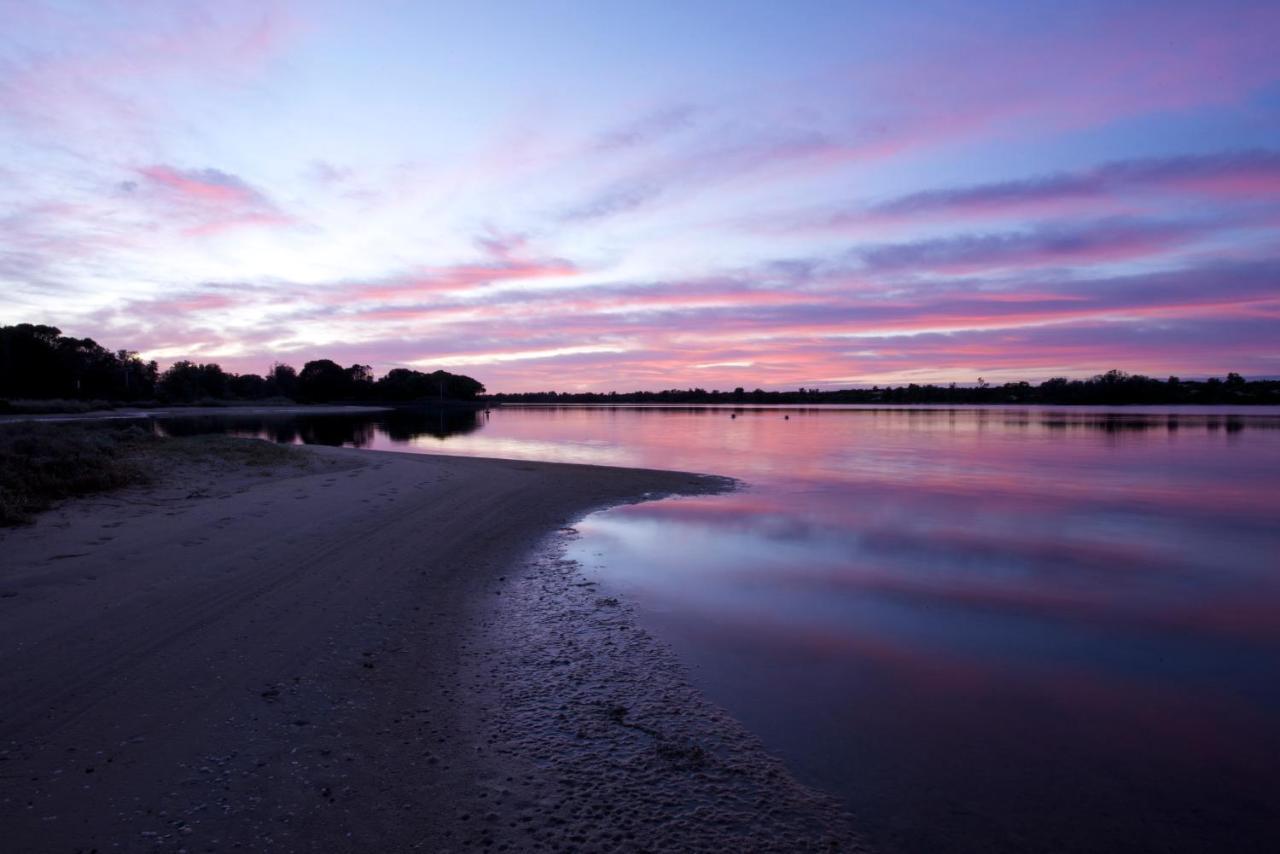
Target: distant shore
126 412
359 651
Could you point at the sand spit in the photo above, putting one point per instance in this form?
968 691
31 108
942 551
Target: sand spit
356 652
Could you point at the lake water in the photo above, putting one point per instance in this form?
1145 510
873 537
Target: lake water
985 629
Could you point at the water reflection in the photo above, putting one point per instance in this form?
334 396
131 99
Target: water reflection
987 629
398 426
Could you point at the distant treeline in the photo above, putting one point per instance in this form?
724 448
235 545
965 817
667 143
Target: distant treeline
40 363
1113 387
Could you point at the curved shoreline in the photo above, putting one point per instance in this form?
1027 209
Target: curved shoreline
286 662
603 742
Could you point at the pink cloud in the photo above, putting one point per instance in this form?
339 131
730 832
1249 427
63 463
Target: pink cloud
205 185
729 331
188 303
210 201
456 279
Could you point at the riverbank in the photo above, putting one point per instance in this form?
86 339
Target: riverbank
317 656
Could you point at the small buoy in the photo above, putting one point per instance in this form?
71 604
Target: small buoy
786 418
733 415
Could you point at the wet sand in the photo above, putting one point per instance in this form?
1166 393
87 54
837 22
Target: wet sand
365 651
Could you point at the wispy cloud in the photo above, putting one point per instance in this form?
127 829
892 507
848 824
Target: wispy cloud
647 129
80 72
1071 244
207 201
1232 176
1245 174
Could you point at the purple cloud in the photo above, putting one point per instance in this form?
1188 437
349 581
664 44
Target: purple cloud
1087 243
647 129
1245 174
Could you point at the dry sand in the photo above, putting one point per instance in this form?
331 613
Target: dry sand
362 652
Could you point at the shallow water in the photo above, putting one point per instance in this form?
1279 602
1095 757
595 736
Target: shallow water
986 629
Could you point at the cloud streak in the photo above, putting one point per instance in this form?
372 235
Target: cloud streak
1088 243
208 201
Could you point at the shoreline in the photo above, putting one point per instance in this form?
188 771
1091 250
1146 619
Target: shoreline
628 755
290 661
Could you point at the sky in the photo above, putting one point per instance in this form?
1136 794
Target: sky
608 195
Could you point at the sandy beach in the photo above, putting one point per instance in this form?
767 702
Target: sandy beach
360 651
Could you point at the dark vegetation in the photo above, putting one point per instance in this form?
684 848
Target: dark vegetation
1113 387
64 374
41 464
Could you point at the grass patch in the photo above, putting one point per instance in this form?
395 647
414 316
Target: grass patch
229 449
53 407
41 464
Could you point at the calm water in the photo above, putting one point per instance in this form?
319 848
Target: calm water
985 629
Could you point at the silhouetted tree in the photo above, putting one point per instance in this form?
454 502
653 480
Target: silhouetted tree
322 380
186 381
39 362
359 381
247 386
402 384
282 381
455 386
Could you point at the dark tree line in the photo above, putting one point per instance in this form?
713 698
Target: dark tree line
40 363
1113 387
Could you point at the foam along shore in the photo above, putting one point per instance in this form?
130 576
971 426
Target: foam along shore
359 651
